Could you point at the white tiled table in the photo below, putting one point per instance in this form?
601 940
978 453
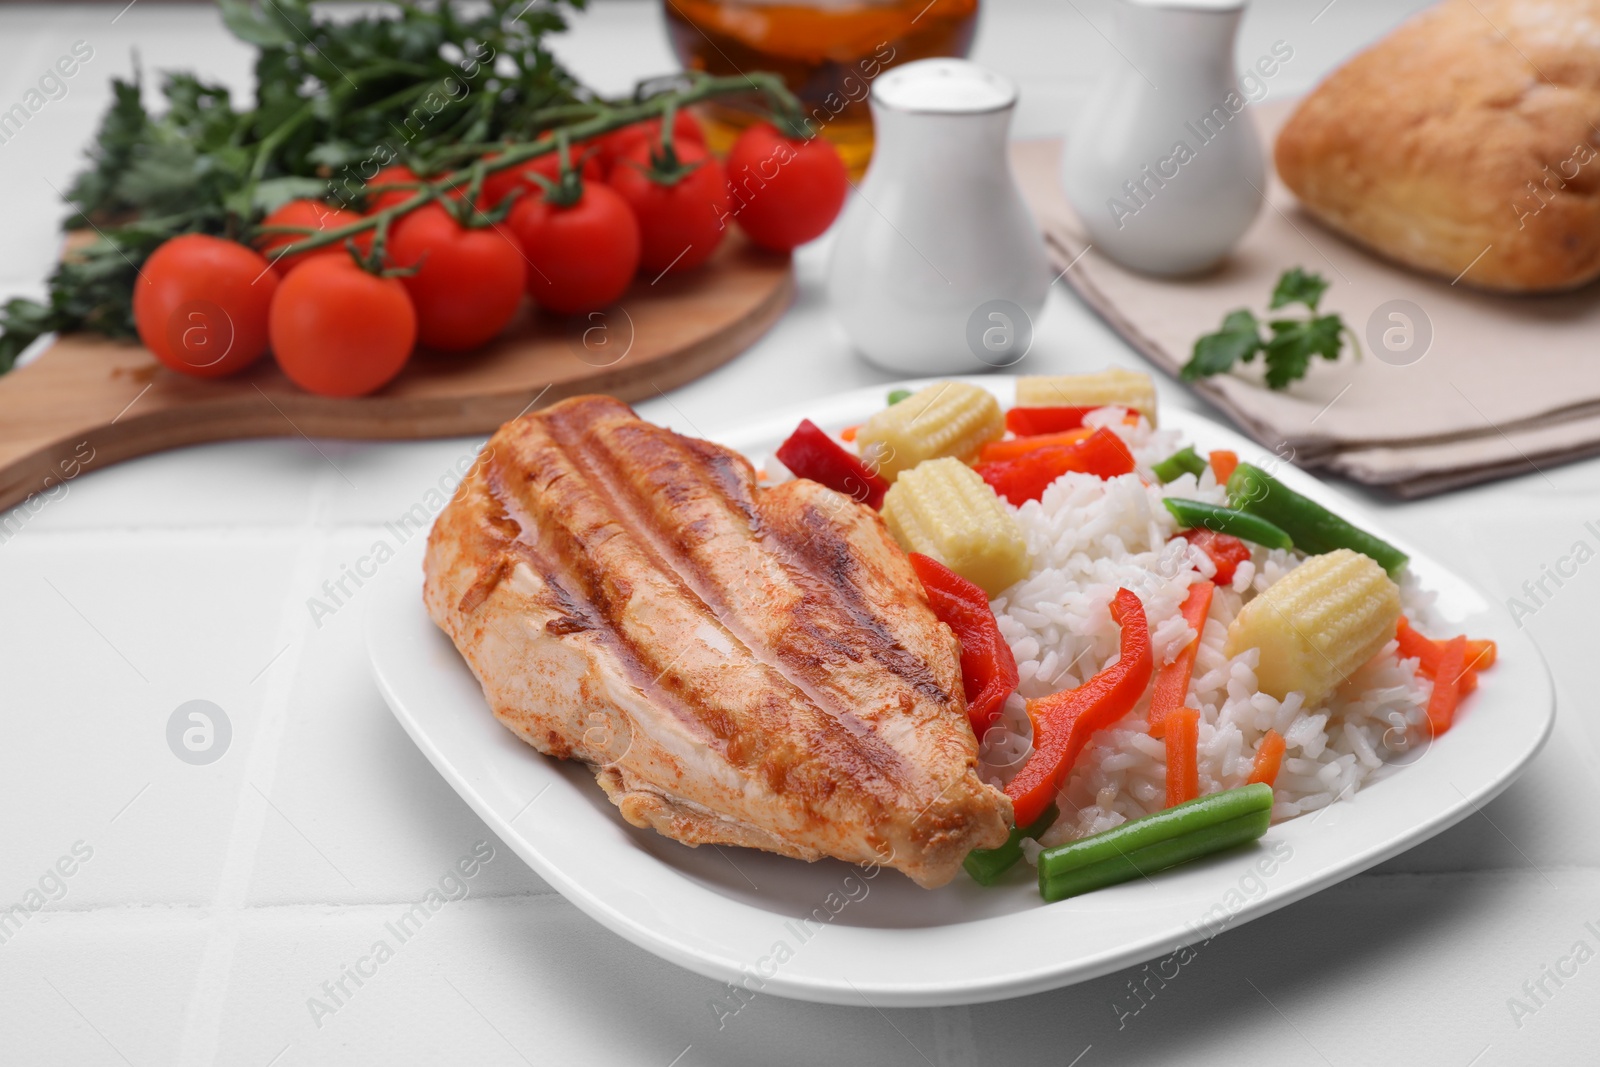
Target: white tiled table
218 899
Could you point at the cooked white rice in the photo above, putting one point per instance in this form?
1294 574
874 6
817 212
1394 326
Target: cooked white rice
1087 538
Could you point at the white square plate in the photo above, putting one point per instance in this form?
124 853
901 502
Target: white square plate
829 932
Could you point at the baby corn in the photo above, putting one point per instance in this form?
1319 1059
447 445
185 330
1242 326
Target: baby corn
1317 624
942 509
945 419
1113 386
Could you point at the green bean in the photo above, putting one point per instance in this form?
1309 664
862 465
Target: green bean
897 395
1313 528
1241 524
1155 842
1184 461
986 865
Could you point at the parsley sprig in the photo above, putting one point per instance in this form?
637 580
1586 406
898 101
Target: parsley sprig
1287 345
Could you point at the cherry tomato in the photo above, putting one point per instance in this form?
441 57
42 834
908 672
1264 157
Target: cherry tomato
680 224
468 281
314 215
581 257
618 143
200 305
338 330
785 191
379 197
498 186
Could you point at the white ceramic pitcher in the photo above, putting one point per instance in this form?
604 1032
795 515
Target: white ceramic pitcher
1164 168
938 267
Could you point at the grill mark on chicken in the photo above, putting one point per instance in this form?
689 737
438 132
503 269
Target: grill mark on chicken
582 596
827 551
800 663
596 456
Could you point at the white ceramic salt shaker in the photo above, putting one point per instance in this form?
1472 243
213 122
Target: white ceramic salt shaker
1164 168
938 267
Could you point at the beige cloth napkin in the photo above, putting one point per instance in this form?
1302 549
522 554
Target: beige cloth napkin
1509 385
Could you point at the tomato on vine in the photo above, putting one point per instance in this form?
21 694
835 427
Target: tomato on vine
613 146
525 176
680 197
467 281
786 190
201 303
340 330
309 215
389 187
582 245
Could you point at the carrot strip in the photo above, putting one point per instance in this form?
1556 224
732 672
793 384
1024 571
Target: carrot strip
1183 742
1413 645
1021 446
848 433
1223 463
1171 690
1447 685
1269 755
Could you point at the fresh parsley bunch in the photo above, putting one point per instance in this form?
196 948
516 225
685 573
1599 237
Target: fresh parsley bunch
1288 344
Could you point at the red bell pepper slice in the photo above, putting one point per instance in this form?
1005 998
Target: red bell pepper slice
988 669
1225 550
1171 690
1026 478
810 453
1026 422
1063 722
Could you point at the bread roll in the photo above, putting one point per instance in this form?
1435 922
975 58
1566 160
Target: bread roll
1466 138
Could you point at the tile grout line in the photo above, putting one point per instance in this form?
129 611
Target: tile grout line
203 1017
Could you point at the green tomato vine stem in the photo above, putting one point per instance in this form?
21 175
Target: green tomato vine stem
785 107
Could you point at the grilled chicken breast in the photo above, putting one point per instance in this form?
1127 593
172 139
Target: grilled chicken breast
739 665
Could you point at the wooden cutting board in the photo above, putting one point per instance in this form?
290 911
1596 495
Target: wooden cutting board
88 401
